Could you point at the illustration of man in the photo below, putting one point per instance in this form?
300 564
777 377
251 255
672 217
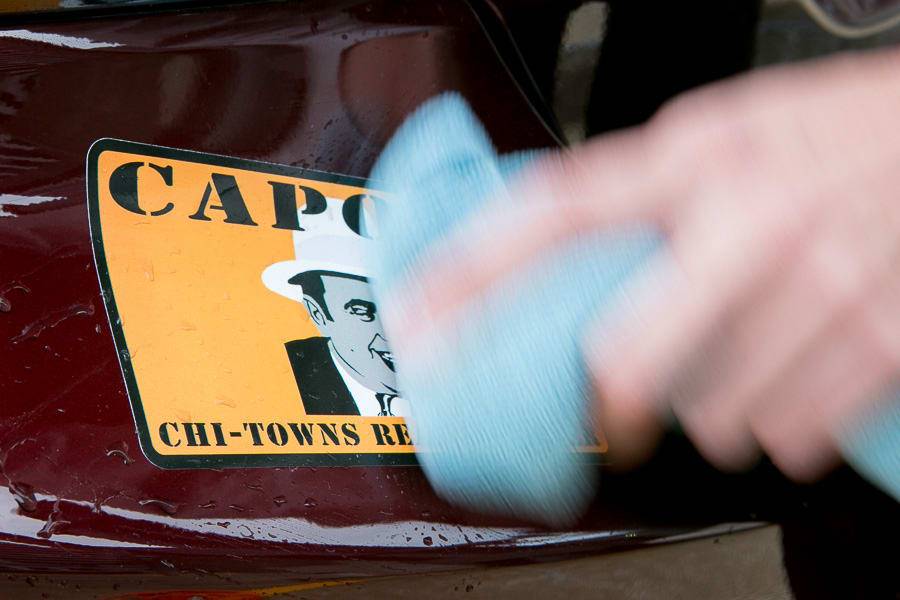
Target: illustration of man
349 370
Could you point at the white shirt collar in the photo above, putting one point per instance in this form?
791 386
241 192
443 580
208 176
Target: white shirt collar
365 399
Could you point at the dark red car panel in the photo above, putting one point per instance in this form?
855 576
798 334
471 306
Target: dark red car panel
319 85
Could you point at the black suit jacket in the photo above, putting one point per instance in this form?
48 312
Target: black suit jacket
322 389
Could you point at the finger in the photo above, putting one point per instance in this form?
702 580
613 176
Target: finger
800 414
635 353
717 257
848 258
632 430
776 325
615 179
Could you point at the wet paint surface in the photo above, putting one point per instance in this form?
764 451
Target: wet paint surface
317 85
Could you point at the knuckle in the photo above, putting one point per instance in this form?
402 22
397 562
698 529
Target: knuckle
798 466
770 435
721 438
796 449
709 127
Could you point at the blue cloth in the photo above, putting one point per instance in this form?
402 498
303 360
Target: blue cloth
499 410
500 404
872 446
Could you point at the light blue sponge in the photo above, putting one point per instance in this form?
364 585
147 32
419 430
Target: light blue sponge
499 410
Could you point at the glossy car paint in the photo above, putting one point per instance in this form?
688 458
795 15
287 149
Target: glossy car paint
314 84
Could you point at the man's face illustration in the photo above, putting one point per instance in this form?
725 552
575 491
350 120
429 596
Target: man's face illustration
347 314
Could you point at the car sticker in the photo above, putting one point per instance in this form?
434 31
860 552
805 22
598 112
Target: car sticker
238 298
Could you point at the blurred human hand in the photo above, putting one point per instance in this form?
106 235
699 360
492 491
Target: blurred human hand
771 321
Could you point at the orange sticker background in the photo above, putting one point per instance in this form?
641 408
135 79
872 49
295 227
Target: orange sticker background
205 336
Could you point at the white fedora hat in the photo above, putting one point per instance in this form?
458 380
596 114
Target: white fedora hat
326 244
